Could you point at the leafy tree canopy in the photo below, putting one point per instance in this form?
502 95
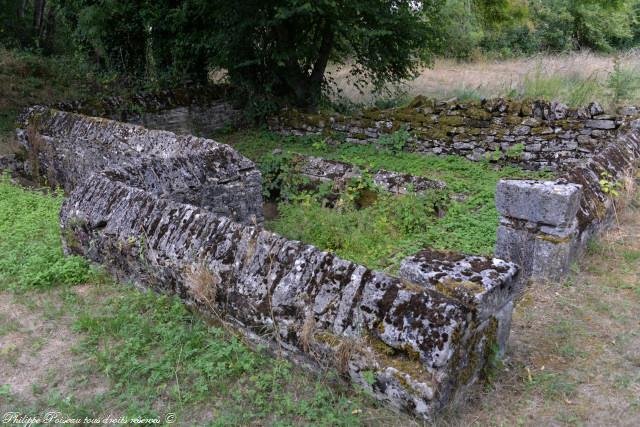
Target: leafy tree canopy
275 48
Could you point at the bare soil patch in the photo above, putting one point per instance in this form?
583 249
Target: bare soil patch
37 357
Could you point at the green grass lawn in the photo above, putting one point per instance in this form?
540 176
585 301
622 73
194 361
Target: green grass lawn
380 235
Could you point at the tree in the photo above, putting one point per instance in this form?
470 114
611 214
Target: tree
25 23
272 48
284 46
596 24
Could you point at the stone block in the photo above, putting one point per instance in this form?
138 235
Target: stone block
546 202
601 124
487 284
553 254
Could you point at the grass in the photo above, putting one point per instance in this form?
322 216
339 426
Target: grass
30 241
573 78
154 355
391 228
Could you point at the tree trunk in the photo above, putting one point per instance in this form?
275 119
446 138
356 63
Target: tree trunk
49 29
22 6
307 88
38 15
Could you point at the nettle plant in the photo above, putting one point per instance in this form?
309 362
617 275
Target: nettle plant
394 142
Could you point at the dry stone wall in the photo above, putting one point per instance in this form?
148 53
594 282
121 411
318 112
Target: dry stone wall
545 226
199 111
66 148
420 346
181 214
532 134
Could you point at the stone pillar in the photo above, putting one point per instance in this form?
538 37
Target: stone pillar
538 226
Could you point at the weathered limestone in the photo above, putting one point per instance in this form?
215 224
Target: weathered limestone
199 110
538 225
488 285
409 345
538 201
531 134
319 169
545 226
67 148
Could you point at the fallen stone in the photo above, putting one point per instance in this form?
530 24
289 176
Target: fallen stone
320 169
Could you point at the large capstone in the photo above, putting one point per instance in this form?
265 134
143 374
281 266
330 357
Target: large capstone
487 284
546 202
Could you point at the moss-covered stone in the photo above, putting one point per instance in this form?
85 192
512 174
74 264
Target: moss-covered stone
452 121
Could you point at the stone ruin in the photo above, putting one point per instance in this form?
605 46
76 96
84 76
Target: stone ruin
544 225
182 215
530 134
322 170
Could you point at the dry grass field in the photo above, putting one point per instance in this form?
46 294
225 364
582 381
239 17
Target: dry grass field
576 78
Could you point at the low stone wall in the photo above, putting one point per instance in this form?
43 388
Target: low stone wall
66 148
531 134
407 344
199 111
319 169
545 226
181 214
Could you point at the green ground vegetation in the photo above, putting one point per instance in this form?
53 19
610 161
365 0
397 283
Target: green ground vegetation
152 354
30 241
462 217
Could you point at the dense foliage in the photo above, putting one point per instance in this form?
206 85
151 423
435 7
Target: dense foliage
382 231
511 27
30 249
278 50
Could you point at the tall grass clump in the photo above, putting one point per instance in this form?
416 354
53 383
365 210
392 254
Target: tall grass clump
31 254
574 89
623 83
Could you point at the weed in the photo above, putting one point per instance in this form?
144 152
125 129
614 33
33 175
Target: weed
515 152
380 234
394 142
307 331
30 249
343 355
203 284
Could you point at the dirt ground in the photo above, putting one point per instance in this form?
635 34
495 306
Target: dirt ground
574 355
37 357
